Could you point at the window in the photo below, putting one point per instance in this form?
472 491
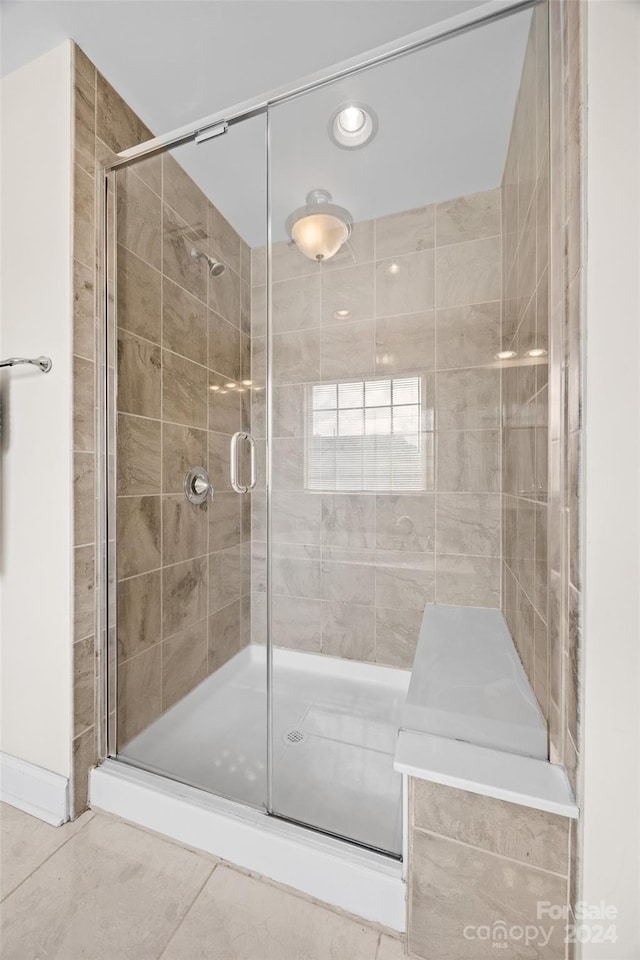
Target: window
366 435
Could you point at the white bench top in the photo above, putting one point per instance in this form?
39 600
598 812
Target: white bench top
467 683
471 719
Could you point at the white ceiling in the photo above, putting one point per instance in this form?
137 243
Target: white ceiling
445 112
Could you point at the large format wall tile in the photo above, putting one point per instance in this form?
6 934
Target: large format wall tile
347 351
296 304
184 391
297 623
226 244
224 635
138 456
116 123
468 460
468 272
397 635
139 692
530 836
139 614
404 580
468 218
184 662
184 529
184 323
224 295
455 888
139 376
138 535
405 344
350 291
177 242
139 217
296 357
184 595
348 630
139 292
182 448
180 192
404 284
469 581
468 336
225 578
468 399
469 523
407 232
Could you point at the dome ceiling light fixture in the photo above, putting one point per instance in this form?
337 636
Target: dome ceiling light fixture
352 125
319 228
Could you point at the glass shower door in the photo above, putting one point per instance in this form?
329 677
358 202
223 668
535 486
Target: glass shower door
190 690
386 332
352 448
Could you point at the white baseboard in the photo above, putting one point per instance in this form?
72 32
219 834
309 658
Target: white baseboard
357 880
37 791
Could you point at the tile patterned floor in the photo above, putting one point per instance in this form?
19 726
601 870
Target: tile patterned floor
101 889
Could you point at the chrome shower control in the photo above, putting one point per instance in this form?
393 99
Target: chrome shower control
197 486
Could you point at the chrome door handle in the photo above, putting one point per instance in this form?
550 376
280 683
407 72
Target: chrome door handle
253 461
233 463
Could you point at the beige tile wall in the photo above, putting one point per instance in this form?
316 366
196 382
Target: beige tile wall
542 406
476 862
183 597
102 124
525 404
353 571
565 384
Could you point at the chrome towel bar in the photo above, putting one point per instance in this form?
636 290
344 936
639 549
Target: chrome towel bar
43 362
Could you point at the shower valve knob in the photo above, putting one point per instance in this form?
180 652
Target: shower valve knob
197 486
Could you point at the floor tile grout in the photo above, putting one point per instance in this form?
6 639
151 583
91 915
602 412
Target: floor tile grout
187 912
52 854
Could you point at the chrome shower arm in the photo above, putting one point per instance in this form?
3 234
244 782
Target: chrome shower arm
43 362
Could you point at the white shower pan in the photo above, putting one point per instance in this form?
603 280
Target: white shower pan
335 728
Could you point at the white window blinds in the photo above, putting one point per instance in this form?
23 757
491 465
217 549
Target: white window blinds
366 435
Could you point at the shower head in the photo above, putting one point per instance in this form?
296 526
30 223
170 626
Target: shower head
216 267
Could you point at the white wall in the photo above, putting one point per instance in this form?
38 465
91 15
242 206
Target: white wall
611 727
36 464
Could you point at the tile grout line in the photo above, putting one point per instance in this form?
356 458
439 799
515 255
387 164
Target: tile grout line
187 911
492 853
53 852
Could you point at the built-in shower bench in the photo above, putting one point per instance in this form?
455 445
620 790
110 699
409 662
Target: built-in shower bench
471 719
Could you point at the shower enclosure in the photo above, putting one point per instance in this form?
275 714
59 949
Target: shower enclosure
304 314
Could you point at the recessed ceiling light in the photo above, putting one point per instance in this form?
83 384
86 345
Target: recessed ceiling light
393 269
352 125
342 314
214 387
229 386
506 355
536 352
247 383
